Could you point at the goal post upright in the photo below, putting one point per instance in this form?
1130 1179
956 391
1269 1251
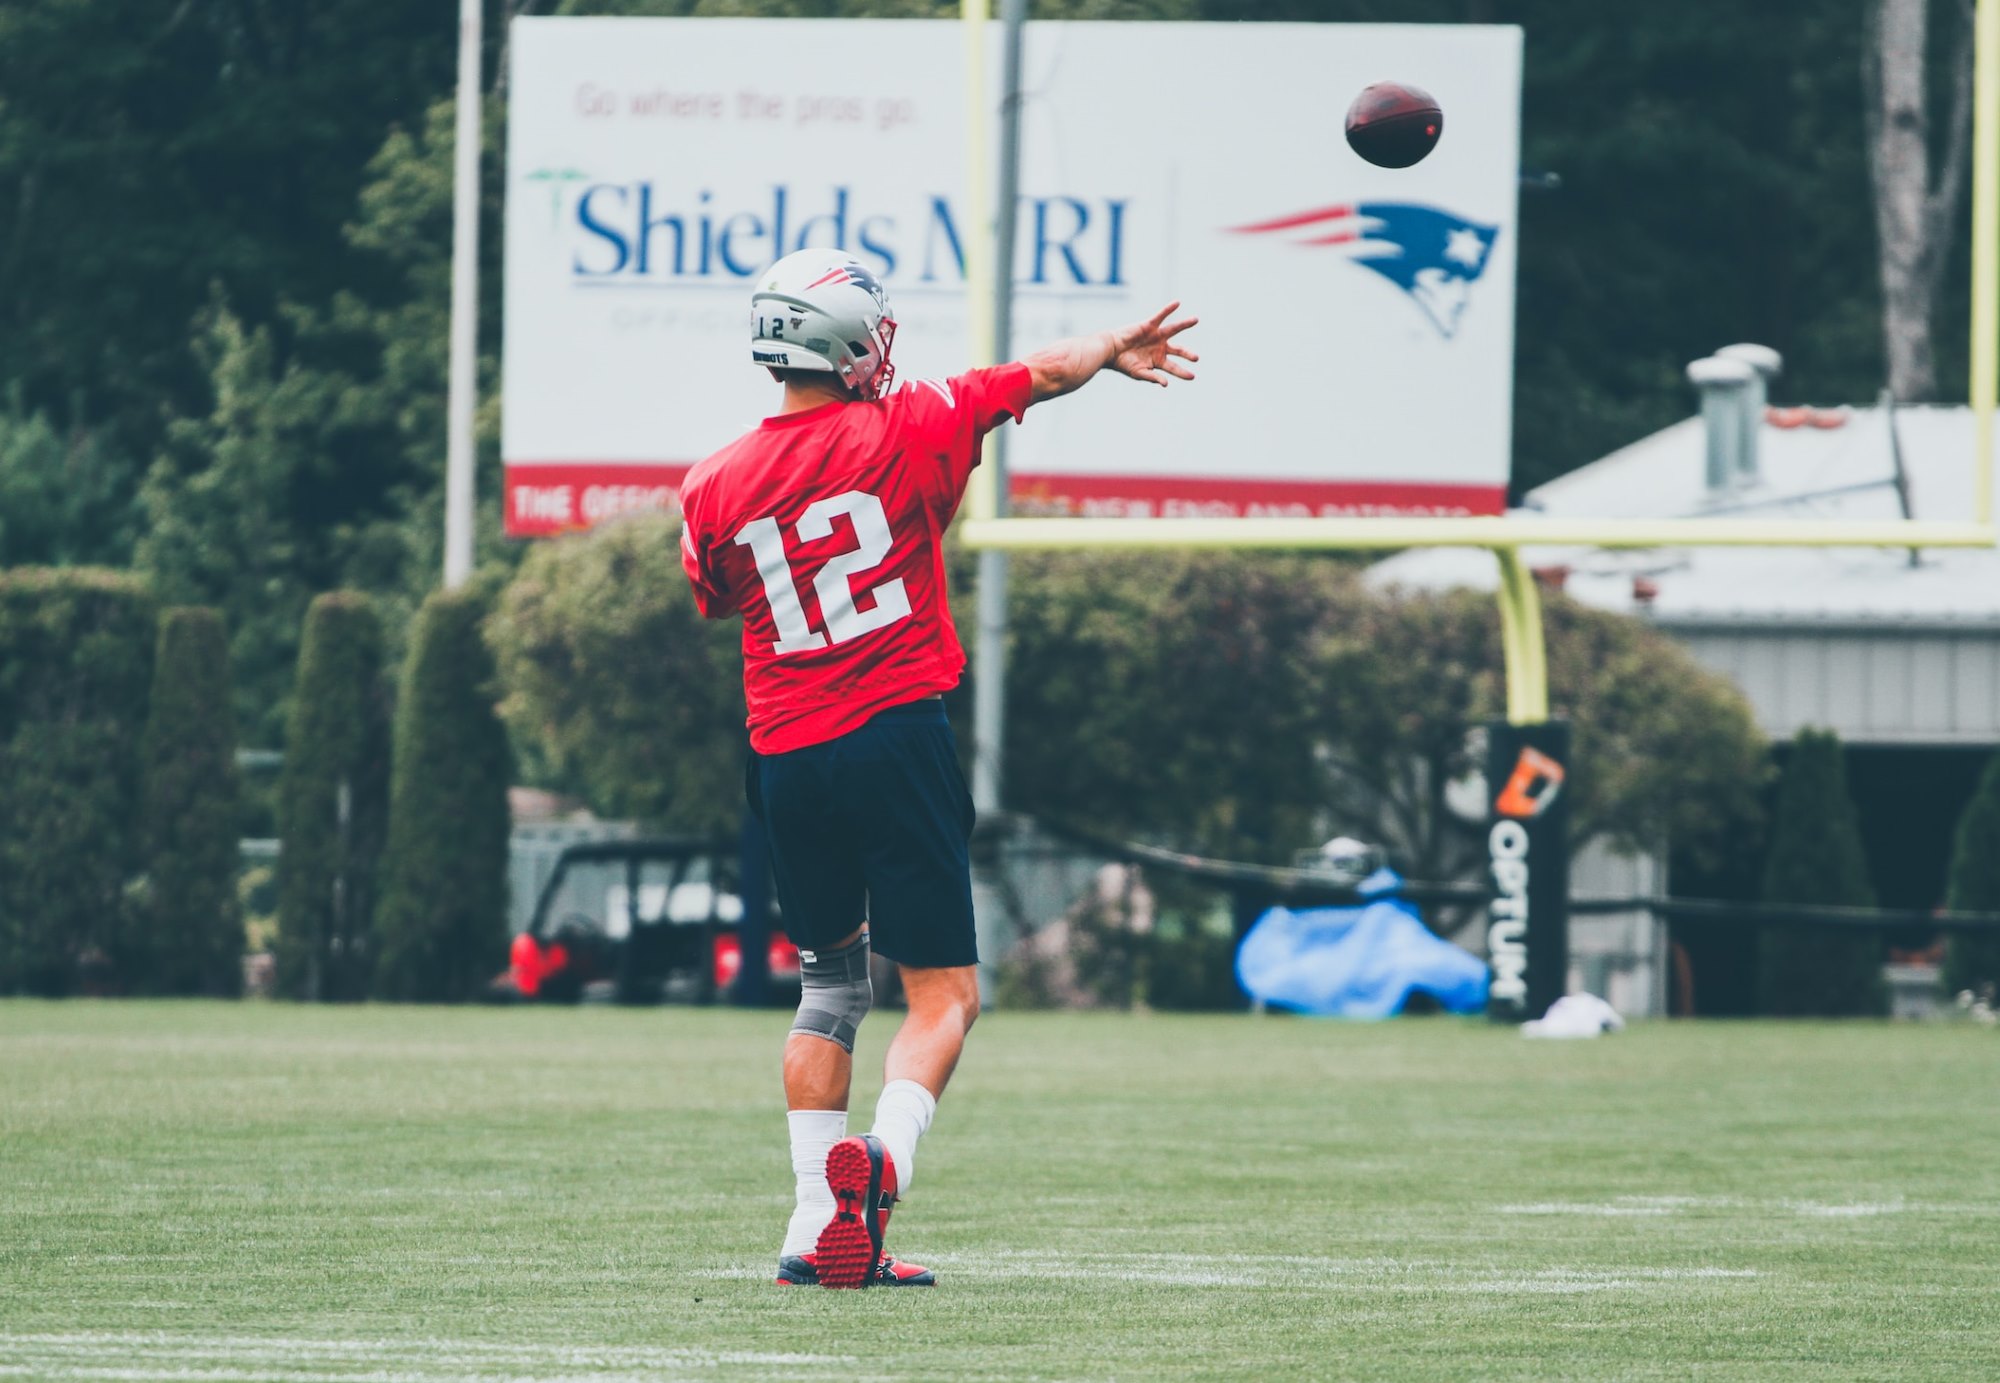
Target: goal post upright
1985 353
1524 651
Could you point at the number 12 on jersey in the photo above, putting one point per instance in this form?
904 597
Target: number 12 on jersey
766 541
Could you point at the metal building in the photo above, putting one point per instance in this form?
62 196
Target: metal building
1884 647
1898 652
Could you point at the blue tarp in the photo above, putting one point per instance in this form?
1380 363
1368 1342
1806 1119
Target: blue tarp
1359 962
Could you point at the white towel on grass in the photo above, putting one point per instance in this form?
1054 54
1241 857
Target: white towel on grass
1575 1015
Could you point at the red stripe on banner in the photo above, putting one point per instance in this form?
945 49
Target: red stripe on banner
545 498
1302 218
1164 496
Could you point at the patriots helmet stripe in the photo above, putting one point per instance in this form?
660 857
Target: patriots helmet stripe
854 274
1433 255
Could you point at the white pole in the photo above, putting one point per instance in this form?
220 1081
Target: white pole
463 388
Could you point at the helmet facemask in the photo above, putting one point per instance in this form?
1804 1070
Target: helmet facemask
883 338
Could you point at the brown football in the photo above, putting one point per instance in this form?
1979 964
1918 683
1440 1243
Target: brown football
1394 124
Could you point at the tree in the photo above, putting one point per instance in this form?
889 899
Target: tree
1167 694
150 152
1973 959
1397 686
616 682
76 658
66 494
229 515
194 924
333 803
1816 857
1663 749
1916 209
1666 749
442 923
317 457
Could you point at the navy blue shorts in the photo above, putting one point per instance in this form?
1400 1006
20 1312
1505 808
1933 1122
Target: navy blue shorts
873 825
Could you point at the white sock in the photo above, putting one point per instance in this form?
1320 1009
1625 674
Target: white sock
901 1117
814 1132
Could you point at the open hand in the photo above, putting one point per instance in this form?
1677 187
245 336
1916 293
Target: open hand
1147 351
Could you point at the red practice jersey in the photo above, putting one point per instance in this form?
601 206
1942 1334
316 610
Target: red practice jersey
824 530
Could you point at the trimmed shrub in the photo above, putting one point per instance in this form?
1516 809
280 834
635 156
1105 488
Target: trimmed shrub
615 681
193 943
333 803
1243 705
441 928
1973 961
76 660
1169 694
1816 857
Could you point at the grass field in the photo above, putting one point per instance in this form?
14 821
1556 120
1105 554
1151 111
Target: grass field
252 1191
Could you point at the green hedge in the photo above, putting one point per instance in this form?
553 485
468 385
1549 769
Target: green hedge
1230 704
441 928
194 924
616 682
333 803
1973 962
1816 857
76 659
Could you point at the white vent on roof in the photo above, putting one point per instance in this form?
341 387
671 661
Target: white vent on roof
1725 387
1768 364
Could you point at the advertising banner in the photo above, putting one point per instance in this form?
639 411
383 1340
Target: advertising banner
1357 323
1527 841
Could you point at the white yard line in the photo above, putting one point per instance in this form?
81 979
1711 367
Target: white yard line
159 1356
1291 1270
166 1357
1621 1207
1822 1210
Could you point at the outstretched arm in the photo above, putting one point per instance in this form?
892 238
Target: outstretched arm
1144 351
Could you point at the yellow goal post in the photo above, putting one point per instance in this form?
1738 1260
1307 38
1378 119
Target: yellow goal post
1520 606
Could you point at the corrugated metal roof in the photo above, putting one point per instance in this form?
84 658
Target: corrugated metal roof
1817 472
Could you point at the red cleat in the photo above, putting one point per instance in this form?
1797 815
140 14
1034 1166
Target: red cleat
802 1270
863 1180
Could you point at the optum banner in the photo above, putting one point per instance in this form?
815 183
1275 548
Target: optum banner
1527 849
1357 323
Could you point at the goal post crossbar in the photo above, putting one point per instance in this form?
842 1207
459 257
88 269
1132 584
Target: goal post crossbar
1524 650
1494 532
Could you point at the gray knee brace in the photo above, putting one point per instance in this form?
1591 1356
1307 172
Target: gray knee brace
834 992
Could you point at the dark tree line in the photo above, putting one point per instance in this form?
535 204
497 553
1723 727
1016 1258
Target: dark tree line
150 153
224 230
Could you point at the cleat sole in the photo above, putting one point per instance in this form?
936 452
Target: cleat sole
851 1244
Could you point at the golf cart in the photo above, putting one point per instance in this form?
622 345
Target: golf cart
639 922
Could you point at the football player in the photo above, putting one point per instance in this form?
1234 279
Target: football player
823 529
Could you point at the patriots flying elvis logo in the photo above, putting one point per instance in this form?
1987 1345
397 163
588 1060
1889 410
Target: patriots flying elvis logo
1433 255
859 277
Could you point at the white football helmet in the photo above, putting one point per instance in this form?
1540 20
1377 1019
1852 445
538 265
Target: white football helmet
820 309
